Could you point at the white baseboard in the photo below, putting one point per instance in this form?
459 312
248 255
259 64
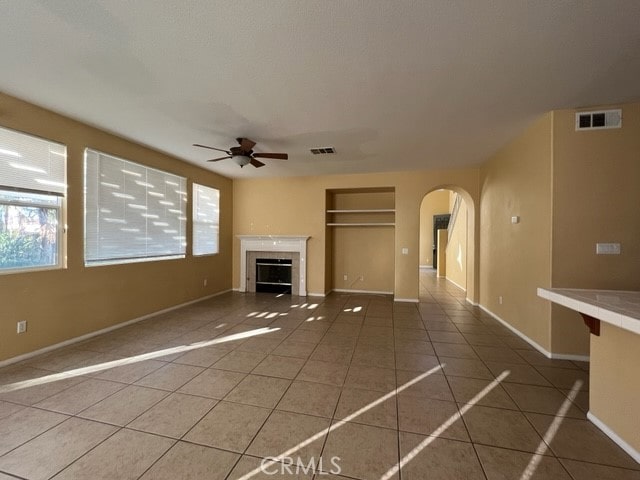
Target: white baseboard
372 292
459 286
426 267
533 343
408 300
635 454
570 356
87 336
471 302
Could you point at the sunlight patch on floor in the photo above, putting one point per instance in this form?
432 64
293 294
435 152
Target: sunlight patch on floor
551 432
450 421
335 426
129 360
353 310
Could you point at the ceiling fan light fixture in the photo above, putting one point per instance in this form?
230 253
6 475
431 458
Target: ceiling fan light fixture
241 160
243 155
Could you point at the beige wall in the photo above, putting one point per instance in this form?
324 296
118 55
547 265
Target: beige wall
435 203
457 248
614 388
596 193
516 259
62 304
296 206
571 190
366 256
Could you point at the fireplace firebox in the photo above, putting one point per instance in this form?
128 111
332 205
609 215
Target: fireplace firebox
273 275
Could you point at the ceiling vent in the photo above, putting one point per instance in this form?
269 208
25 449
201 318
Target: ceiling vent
323 150
599 120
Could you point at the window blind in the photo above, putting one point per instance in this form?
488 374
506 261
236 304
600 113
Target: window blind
132 212
31 164
206 219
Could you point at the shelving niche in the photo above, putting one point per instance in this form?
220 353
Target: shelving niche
361 207
360 239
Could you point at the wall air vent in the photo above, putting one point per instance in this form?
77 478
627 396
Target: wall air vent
323 150
599 120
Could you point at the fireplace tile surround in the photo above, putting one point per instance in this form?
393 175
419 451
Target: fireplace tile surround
293 247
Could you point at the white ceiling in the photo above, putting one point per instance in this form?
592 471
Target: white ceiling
391 84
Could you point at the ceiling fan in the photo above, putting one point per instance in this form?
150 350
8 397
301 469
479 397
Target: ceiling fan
244 154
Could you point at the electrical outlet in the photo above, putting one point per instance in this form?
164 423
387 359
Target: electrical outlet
500 299
206 280
21 326
344 277
362 278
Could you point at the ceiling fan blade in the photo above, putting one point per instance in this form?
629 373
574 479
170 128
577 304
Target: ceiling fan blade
212 148
246 144
217 159
256 163
278 156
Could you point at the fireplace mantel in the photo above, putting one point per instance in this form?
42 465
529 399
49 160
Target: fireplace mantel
274 243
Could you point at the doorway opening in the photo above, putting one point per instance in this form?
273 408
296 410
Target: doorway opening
444 235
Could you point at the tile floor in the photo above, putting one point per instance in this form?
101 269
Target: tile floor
393 390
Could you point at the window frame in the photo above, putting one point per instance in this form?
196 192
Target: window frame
136 259
60 207
194 221
60 231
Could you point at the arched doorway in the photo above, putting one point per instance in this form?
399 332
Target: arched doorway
449 254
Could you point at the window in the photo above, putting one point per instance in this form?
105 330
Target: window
206 219
32 187
133 213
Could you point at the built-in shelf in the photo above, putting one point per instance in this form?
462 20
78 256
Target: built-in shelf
369 224
360 223
361 207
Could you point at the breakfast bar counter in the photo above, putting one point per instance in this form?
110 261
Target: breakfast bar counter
613 318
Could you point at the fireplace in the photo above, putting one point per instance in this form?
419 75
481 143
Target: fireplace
291 259
273 275
278 250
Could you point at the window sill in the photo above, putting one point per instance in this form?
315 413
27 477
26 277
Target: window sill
132 260
13 271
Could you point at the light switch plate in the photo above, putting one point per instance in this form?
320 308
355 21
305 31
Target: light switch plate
405 251
607 249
